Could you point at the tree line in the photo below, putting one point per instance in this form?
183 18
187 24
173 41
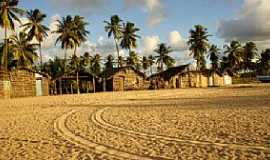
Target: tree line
22 50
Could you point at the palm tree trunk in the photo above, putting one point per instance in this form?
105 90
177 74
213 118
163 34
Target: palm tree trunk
118 54
65 60
94 84
40 54
75 50
5 59
60 86
77 80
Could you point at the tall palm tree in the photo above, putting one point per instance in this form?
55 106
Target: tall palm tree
151 60
114 28
145 64
249 54
235 52
23 52
80 32
163 56
129 37
67 37
109 62
198 44
214 53
9 12
35 28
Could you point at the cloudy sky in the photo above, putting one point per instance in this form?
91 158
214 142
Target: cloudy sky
161 21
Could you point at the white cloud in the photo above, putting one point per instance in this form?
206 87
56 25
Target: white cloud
149 44
154 8
176 41
250 24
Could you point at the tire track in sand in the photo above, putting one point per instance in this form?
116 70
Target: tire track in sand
62 130
98 120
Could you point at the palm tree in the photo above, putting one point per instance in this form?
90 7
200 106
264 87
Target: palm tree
109 62
121 61
145 64
264 62
129 37
163 56
75 65
23 52
249 54
114 28
235 52
95 68
198 44
80 32
214 53
133 60
35 28
151 60
8 13
67 37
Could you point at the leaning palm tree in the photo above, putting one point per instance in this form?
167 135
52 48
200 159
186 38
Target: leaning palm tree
198 44
235 52
163 56
214 53
67 37
129 37
114 28
8 13
109 62
23 52
35 28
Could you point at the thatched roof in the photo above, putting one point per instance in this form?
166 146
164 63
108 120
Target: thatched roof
170 72
109 73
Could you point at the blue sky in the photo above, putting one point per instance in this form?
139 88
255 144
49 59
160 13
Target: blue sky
166 20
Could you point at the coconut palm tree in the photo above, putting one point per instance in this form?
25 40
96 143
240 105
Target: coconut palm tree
133 60
235 52
80 32
129 37
9 12
114 28
163 56
198 44
121 61
109 62
23 52
75 65
67 37
249 54
214 53
264 62
95 68
35 28
145 63
151 60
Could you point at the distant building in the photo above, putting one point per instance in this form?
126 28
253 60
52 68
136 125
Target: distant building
184 76
123 78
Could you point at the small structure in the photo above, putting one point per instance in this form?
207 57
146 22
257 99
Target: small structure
122 79
17 83
184 76
42 84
